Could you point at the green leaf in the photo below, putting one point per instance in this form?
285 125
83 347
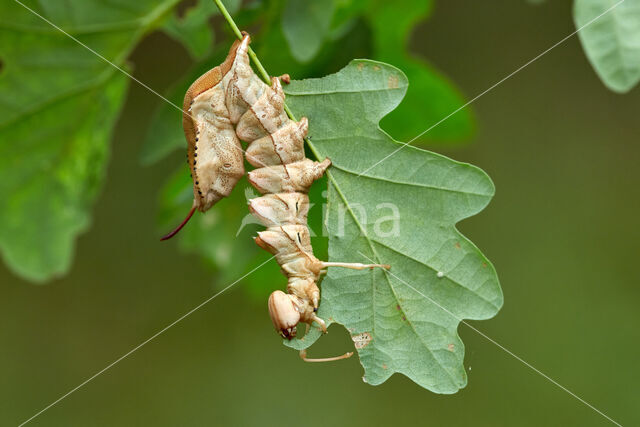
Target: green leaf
192 27
431 96
430 100
58 104
305 24
611 41
346 11
403 212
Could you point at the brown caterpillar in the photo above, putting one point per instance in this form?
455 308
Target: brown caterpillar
230 103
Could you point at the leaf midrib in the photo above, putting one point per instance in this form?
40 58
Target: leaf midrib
619 45
381 89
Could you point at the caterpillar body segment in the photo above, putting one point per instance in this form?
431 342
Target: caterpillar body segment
230 104
286 178
280 209
284 146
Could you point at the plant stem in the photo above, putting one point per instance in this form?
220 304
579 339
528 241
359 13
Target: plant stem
238 33
258 64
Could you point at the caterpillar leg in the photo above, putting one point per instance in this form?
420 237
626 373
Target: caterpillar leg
319 321
303 356
354 265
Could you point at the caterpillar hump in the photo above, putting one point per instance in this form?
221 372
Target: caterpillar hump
229 104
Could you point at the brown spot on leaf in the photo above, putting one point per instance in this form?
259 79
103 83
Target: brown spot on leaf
376 68
484 265
384 366
392 82
398 307
360 66
362 340
457 245
451 347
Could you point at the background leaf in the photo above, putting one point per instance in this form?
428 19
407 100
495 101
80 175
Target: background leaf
612 42
431 96
58 104
192 28
305 24
222 237
396 329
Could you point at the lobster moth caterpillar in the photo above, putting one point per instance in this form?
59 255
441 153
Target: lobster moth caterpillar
229 104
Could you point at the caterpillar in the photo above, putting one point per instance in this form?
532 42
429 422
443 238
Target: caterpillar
229 104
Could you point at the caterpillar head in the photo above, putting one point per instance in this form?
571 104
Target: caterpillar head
288 310
284 313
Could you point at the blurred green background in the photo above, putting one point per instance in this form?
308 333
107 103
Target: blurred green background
562 232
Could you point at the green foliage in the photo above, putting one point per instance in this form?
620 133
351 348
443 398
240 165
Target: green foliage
430 98
612 41
192 28
404 320
58 104
305 24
